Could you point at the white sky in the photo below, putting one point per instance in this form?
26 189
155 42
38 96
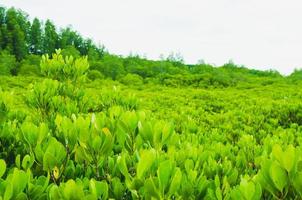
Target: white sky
259 34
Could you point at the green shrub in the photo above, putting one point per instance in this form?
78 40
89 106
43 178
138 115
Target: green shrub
30 66
132 79
70 51
110 65
64 68
7 63
95 74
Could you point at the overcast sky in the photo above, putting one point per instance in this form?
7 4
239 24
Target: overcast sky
259 34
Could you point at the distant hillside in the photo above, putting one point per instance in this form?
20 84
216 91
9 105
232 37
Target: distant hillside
23 41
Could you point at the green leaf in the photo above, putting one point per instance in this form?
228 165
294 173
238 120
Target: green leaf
247 189
19 180
289 158
21 196
107 141
73 191
175 183
218 193
146 131
297 182
258 192
189 165
27 162
55 155
167 132
286 159
118 188
54 192
30 133
150 189
2 167
147 157
121 162
18 161
101 189
264 177
8 193
217 181
279 176
96 144
164 173
277 152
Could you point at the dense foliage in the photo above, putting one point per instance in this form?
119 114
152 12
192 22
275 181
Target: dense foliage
21 36
63 136
23 41
104 126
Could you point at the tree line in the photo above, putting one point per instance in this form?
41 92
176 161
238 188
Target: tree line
21 36
23 41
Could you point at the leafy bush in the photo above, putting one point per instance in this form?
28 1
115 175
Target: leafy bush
7 63
132 79
64 68
30 66
70 51
111 66
94 74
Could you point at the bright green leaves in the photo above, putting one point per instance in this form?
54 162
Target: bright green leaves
169 178
51 97
122 165
147 157
105 142
99 189
247 190
86 189
66 130
33 134
167 182
281 172
27 162
95 140
41 94
68 190
63 69
164 173
278 176
118 188
151 189
73 190
154 178
297 182
157 134
126 128
37 187
2 167
60 94
54 156
175 182
15 184
287 159
5 101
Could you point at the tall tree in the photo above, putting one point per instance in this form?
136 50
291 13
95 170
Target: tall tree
36 42
70 37
16 42
50 39
2 26
24 23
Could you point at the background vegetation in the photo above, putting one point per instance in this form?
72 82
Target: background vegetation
104 126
